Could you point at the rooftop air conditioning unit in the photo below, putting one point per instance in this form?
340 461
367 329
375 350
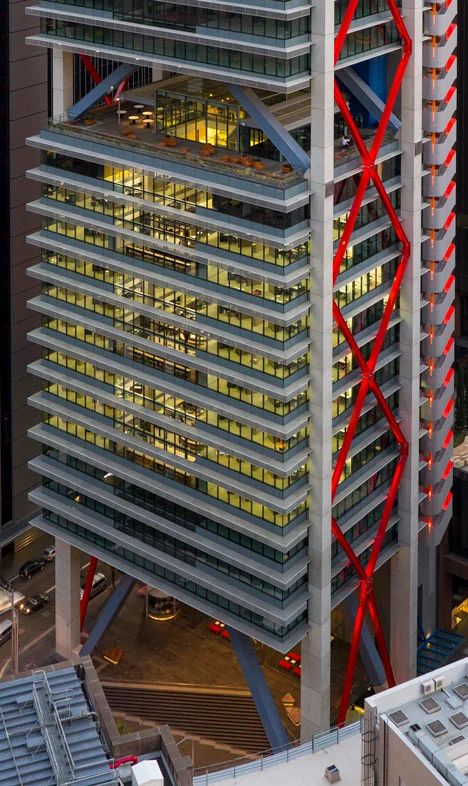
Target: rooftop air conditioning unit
427 687
332 774
439 682
147 773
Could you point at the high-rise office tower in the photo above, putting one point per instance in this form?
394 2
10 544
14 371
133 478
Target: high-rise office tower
453 564
462 186
23 111
246 313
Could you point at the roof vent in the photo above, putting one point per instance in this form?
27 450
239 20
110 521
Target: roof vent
332 773
436 728
460 738
459 720
398 718
429 705
462 690
415 727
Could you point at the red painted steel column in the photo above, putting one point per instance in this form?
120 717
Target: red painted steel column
87 590
369 176
96 77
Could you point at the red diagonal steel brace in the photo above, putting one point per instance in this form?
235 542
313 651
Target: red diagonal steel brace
94 74
368 383
367 601
87 590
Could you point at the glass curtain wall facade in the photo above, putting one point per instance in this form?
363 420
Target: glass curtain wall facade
183 436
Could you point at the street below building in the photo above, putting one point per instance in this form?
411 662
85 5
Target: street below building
178 654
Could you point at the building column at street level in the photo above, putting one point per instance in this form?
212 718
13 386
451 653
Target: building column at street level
315 647
404 565
67 598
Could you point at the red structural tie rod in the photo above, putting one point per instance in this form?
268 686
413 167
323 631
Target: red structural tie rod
94 74
87 590
368 384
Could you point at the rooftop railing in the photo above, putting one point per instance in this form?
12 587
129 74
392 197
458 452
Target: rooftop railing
271 758
103 127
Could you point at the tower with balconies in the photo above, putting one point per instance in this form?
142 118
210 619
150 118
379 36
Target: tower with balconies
246 315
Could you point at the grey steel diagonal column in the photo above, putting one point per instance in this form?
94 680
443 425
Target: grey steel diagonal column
266 120
102 89
109 611
365 95
259 689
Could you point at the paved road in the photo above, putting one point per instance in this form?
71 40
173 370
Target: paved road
179 651
36 632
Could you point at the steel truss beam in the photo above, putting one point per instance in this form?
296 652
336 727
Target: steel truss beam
368 384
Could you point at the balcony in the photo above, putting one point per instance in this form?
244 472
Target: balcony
348 159
131 131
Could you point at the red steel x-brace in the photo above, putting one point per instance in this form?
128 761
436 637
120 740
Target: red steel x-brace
96 77
94 74
368 383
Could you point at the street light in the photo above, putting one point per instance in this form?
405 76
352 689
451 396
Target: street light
14 634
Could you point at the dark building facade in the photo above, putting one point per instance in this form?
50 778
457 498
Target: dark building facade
23 109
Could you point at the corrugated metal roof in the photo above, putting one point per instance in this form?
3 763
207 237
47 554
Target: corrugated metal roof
48 736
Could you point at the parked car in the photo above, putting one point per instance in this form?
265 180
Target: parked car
31 567
292 663
100 582
34 603
6 628
217 627
49 553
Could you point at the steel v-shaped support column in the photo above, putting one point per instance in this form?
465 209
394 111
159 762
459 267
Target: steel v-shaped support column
259 689
268 123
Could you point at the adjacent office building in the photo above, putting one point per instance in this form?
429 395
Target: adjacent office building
414 733
246 313
453 553
23 111
462 187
